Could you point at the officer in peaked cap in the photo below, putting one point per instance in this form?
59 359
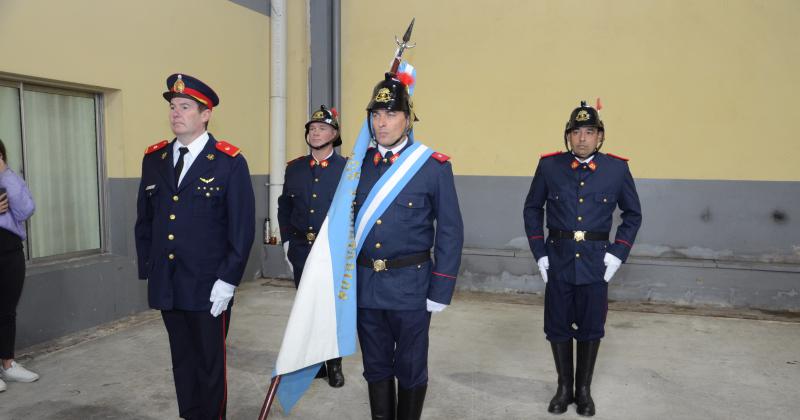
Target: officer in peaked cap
194 230
308 190
399 284
580 189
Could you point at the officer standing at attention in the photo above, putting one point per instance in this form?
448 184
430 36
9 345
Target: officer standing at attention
311 181
399 285
581 189
194 230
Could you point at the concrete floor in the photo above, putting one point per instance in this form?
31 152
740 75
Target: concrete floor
488 360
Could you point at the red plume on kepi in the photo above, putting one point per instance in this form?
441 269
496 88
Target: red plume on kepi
406 79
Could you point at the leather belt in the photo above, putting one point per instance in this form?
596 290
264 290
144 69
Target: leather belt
578 235
405 261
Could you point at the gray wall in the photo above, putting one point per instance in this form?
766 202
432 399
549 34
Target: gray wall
70 295
722 243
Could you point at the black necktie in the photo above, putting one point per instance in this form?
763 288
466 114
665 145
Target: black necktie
388 157
179 165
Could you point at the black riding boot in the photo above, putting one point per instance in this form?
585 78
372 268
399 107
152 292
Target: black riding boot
587 355
562 354
382 400
335 375
410 401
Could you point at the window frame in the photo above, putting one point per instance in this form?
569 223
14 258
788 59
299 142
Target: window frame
102 174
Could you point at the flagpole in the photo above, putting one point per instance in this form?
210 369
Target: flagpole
273 388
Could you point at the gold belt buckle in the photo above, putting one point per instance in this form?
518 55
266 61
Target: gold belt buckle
579 235
311 236
379 265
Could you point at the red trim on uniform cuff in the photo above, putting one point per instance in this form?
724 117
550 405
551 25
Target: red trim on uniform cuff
626 243
536 237
443 275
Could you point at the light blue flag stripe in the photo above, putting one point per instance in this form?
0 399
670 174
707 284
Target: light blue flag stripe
389 199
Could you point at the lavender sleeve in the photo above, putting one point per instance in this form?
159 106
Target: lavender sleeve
20 203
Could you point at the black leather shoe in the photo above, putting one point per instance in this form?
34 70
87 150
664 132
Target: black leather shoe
587 355
382 404
335 375
562 355
410 402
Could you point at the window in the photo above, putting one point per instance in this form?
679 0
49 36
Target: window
51 136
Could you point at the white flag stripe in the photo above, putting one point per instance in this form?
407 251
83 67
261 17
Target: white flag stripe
387 188
310 335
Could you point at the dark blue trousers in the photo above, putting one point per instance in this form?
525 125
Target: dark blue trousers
566 304
197 344
298 254
394 344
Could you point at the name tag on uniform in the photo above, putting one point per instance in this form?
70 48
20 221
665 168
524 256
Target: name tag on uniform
150 187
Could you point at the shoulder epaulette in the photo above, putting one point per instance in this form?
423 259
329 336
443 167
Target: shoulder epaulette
294 160
550 154
227 148
441 157
158 146
618 157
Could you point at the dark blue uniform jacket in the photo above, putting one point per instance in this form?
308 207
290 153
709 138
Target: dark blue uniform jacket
581 199
407 227
306 198
187 238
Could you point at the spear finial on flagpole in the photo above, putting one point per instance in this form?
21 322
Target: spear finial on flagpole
402 46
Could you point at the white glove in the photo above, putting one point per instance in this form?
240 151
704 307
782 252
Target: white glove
221 295
612 265
286 256
544 264
434 307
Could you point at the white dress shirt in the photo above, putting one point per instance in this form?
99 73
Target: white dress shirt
195 148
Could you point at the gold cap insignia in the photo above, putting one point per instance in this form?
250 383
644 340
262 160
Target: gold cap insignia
210 156
179 86
582 116
383 95
318 115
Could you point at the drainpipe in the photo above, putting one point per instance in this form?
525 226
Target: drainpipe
336 55
277 112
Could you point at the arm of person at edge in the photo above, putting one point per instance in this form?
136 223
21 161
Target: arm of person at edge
143 229
285 207
240 203
533 215
448 242
626 232
17 198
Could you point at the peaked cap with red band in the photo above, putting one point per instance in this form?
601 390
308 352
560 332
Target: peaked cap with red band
185 86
